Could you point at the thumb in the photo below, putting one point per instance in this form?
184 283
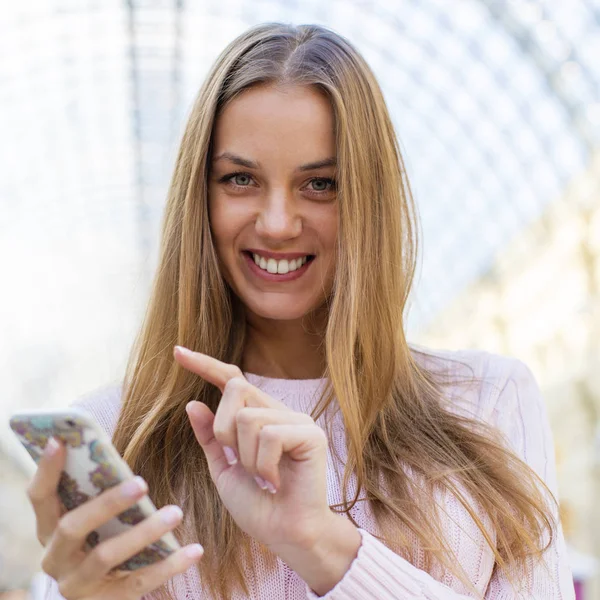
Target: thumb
202 419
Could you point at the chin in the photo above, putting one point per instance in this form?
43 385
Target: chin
278 308
279 313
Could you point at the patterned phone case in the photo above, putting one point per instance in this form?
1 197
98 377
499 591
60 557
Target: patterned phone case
92 466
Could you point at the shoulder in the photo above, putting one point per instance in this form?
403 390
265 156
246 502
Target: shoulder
502 392
482 383
104 405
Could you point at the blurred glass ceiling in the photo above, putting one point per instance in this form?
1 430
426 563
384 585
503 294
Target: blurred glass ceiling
496 104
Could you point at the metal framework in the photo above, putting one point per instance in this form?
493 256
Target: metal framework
496 104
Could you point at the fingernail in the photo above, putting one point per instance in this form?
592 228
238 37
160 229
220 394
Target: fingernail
270 487
134 487
51 447
262 484
230 455
171 515
194 551
182 350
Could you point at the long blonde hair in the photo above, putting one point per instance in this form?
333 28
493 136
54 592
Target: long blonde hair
393 409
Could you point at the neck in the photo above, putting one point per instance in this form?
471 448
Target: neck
285 349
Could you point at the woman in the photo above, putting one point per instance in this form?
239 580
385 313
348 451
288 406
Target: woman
314 453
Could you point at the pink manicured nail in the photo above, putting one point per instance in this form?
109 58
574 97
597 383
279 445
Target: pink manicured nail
230 455
51 447
270 487
194 551
171 515
182 350
134 487
262 484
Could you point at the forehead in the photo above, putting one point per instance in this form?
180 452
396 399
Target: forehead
297 121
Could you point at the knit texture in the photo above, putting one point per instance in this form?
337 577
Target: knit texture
509 398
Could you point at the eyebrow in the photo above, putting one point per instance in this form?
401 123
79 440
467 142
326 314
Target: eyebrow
249 164
238 160
319 164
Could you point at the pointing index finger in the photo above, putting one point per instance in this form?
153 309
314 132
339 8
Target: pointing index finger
214 371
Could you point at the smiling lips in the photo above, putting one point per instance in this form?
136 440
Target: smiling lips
279 266
284 269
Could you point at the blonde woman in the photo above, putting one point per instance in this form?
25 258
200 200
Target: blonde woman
312 451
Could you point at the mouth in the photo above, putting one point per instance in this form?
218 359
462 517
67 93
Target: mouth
270 269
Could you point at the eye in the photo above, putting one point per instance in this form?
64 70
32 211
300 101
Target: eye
321 185
241 179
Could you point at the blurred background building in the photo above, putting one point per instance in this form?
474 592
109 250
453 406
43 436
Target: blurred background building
497 108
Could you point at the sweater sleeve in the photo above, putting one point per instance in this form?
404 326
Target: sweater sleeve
45 588
379 573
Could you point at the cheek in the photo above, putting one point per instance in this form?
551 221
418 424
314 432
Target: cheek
225 223
328 230
332 235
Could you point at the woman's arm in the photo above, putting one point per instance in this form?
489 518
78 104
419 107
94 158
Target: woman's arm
378 573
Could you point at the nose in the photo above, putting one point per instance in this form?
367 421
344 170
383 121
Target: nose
278 218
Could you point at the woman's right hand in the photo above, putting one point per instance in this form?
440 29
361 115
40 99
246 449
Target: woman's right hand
85 575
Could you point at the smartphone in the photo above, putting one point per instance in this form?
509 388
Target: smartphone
92 466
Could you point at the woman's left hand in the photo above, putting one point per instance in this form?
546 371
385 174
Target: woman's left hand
275 448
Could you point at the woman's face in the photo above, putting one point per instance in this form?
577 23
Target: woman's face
272 199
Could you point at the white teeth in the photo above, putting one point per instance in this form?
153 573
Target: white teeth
282 266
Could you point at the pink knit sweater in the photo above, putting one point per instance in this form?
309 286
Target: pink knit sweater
510 399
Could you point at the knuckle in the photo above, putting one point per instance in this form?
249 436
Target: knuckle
321 436
41 536
136 583
34 494
269 434
244 416
64 590
236 383
221 433
236 372
47 565
67 530
100 556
